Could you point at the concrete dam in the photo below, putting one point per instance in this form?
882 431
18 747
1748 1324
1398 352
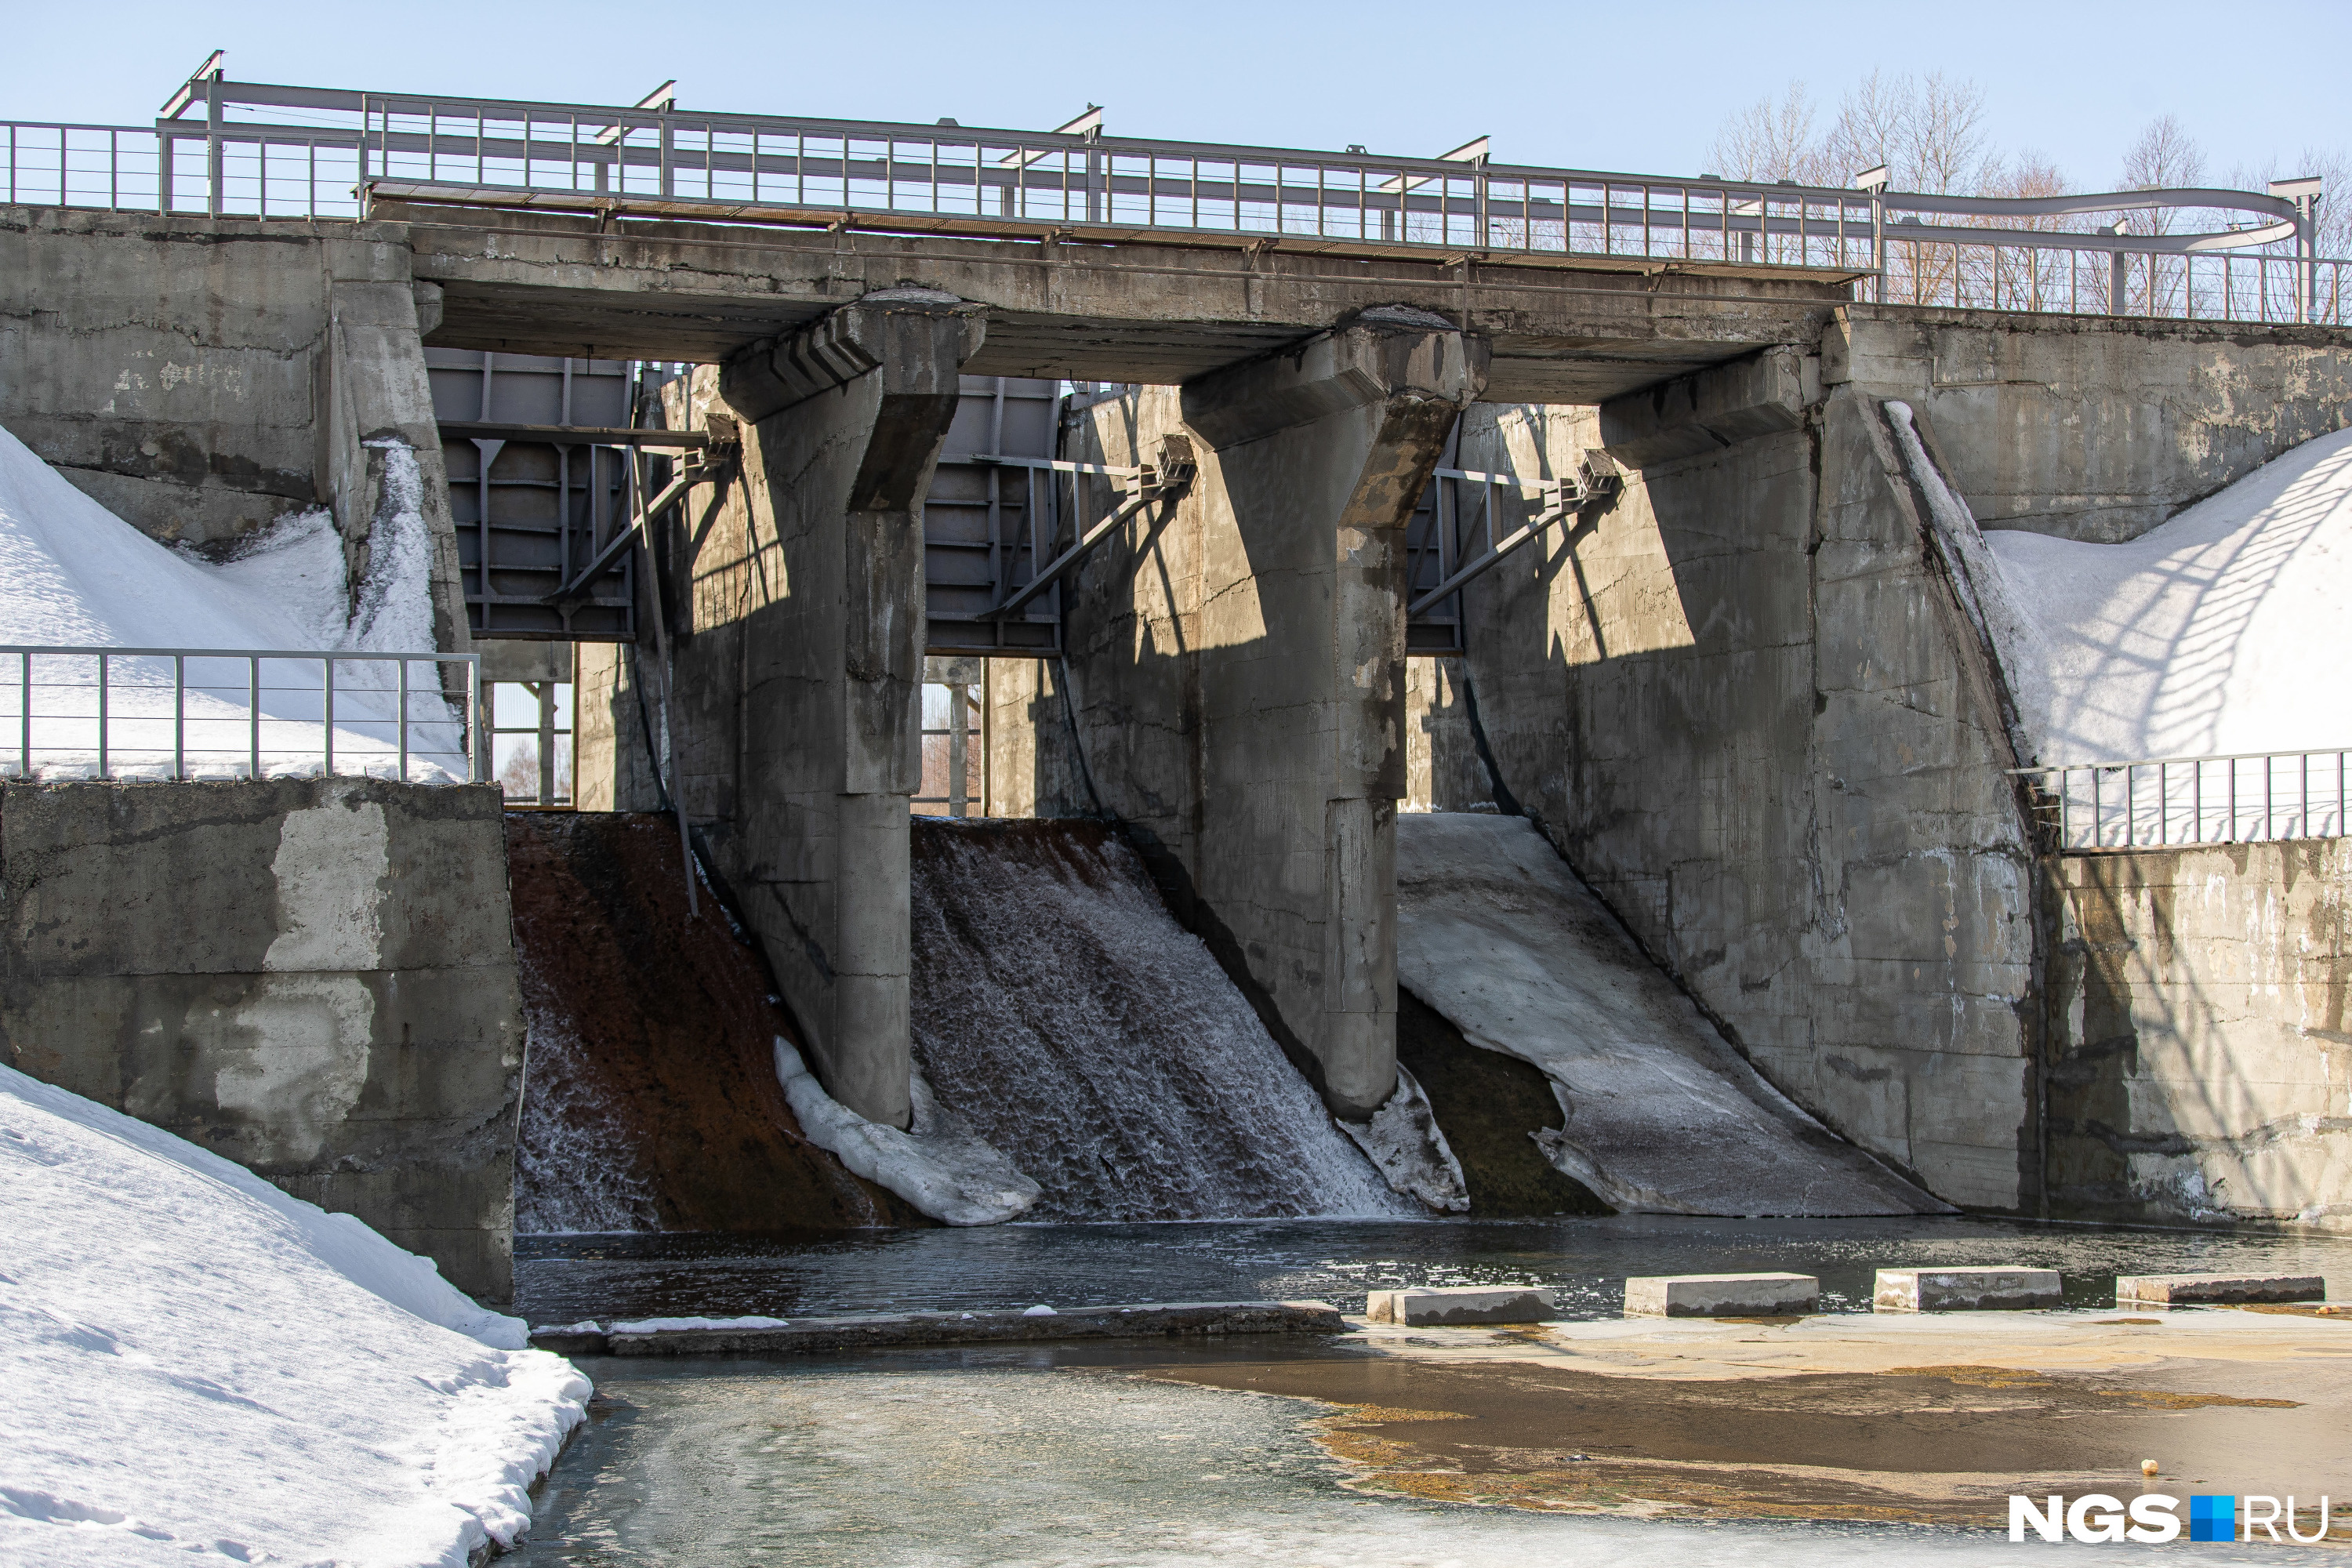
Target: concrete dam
1035 709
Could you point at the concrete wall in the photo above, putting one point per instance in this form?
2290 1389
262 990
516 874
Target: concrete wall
201 377
314 978
2090 426
2200 1061
1746 702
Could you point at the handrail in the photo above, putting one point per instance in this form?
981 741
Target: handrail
89 740
991 183
2185 804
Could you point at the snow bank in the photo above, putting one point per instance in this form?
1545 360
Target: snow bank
195 1366
942 1167
1660 1116
74 574
2208 635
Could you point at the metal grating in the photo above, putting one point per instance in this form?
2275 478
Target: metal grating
532 513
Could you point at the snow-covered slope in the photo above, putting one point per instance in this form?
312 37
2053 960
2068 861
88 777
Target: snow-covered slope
196 1368
74 574
2211 634
1494 931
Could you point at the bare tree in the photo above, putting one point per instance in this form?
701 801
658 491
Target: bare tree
1929 132
519 777
1772 139
2165 157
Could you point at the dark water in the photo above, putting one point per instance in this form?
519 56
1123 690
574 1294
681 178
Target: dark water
568 1279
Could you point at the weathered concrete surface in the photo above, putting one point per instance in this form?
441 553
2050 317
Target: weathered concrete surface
2091 426
1744 700
1155 314
2199 1057
1720 1295
1236 672
201 377
1462 1304
2207 1290
314 978
793 590
1152 1320
1964 1290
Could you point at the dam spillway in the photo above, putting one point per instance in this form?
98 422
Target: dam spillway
1061 1010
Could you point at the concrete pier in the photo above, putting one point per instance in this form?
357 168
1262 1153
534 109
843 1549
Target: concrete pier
794 592
842 423
1237 664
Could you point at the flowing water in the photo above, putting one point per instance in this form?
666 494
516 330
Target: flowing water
1060 1011
565 1279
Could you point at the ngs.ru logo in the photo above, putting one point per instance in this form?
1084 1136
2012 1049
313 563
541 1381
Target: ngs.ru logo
2152 1517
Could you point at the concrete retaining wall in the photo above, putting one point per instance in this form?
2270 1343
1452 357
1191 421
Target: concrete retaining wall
314 978
2200 1061
201 377
1745 702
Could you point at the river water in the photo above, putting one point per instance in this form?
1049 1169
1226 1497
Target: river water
569 1279
1060 1457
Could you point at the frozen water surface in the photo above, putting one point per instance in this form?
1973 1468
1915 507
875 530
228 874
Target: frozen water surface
1011 1458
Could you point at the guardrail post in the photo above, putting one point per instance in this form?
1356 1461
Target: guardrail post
102 715
213 159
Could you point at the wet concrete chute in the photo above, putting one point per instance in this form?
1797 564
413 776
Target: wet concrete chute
1453 794
1661 1115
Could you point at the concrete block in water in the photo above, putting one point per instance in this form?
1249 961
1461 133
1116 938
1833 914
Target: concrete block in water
883 1331
1469 1304
1964 1290
2168 1290
1720 1295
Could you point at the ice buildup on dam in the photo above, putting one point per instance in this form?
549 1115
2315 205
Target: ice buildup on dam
1497 933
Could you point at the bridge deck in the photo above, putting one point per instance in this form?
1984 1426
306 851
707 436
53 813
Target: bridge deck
561 285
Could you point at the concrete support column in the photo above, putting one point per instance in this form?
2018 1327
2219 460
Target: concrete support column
1285 571
379 459
798 746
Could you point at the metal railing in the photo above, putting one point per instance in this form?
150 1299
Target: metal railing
291 151
171 714
2173 802
2262 271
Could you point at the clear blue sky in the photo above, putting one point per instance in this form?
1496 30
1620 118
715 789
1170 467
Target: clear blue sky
1635 87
